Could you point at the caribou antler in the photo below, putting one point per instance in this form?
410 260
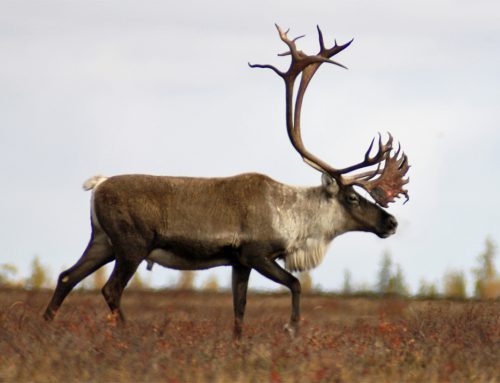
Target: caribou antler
385 183
390 181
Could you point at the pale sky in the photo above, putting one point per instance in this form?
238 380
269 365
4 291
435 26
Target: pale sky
163 87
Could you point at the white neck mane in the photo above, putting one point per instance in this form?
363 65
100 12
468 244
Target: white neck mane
307 256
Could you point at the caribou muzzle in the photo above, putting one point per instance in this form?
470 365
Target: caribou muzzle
388 226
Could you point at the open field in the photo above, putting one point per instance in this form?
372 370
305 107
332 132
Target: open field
176 336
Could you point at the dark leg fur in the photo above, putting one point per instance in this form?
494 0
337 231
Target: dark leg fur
125 266
96 255
272 270
239 285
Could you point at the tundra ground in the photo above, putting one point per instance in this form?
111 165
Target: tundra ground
175 336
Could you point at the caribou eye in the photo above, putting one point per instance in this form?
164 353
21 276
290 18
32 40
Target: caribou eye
353 199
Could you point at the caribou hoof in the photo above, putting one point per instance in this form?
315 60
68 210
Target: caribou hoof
290 329
114 319
237 334
49 315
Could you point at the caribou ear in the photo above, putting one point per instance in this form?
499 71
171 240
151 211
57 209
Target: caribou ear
330 186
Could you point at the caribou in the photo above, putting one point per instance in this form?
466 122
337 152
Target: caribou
248 221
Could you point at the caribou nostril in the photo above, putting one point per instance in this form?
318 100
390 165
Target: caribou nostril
392 223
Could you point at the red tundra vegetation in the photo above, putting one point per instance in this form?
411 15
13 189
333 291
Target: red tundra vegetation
175 336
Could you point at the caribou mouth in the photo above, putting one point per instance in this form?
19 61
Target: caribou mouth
387 234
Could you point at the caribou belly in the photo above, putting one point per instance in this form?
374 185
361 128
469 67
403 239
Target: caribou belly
173 261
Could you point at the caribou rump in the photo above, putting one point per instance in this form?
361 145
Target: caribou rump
247 221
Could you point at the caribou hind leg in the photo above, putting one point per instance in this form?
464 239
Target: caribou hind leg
97 254
127 262
240 277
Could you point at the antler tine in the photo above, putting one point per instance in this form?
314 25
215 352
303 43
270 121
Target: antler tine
267 66
321 41
291 43
293 51
383 149
327 53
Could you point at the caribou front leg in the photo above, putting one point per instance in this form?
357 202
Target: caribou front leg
272 270
239 285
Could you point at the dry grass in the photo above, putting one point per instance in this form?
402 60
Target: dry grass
186 337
